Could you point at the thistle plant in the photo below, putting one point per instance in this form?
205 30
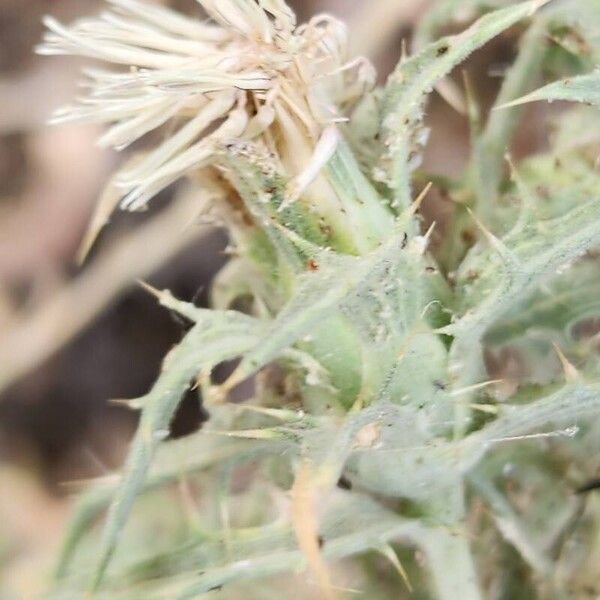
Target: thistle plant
421 414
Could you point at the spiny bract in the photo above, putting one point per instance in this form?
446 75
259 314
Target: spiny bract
398 388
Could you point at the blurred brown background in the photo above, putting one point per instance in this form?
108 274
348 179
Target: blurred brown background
73 338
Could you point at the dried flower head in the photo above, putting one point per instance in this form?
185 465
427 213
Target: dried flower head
250 74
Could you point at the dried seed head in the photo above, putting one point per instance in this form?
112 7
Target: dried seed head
250 74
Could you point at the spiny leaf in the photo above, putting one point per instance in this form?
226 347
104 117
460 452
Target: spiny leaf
362 205
577 23
381 298
455 12
583 88
352 524
558 305
217 336
318 295
407 462
262 188
571 407
414 78
190 455
513 529
493 282
490 146
539 248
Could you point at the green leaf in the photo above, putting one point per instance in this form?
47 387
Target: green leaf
405 461
498 275
566 410
490 147
558 306
572 131
365 210
352 524
380 301
451 12
216 336
577 28
583 88
190 455
414 79
513 529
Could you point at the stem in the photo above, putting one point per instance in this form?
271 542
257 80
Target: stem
451 565
490 148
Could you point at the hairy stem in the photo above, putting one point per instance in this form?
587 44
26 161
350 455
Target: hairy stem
451 565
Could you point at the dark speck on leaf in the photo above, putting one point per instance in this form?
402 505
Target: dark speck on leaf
468 237
344 483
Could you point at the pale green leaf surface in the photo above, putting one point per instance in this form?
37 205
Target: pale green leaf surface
173 460
414 79
582 88
381 297
405 461
568 409
498 275
490 147
513 529
456 12
572 131
216 336
365 210
352 525
583 17
558 305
